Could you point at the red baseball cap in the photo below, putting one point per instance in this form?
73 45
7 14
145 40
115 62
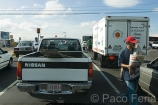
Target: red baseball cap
131 39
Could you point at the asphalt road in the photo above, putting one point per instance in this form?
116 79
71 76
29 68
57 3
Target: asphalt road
104 89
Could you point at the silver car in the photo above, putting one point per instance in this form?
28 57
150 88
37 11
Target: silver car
84 45
24 47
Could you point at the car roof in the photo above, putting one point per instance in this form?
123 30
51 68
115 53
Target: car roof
61 38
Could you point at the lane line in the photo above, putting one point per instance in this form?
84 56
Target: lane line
105 77
7 88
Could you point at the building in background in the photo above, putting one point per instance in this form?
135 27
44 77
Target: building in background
4 38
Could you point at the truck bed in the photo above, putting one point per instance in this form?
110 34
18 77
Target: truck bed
37 67
68 54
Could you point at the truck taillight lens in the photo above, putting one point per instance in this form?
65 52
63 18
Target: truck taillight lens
90 70
16 49
19 71
112 57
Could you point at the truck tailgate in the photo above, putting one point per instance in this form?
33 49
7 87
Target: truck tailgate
55 69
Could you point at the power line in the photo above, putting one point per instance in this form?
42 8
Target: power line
76 10
88 13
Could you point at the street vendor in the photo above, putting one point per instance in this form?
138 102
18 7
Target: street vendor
123 62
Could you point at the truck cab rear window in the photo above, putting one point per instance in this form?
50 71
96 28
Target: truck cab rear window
60 44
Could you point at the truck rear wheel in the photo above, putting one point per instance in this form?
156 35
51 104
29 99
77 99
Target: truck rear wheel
101 61
95 55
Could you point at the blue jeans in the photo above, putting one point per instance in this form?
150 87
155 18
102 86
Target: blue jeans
131 93
126 91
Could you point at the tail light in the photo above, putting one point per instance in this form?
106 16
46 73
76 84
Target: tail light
16 49
112 57
19 71
90 70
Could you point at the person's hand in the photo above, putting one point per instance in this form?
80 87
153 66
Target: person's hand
129 67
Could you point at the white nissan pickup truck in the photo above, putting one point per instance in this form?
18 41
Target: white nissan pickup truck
59 66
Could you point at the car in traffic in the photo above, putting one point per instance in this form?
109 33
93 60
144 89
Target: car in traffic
84 45
24 47
155 45
6 59
49 62
149 77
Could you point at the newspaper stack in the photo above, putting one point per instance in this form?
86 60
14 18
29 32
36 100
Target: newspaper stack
136 60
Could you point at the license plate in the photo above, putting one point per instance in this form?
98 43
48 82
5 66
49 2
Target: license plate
54 87
22 48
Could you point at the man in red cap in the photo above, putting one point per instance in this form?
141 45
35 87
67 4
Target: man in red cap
123 62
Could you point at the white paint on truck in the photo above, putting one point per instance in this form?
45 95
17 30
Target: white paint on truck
56 74
116 43
53 74
140 30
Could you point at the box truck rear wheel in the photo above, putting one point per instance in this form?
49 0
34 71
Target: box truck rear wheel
95 55
101 61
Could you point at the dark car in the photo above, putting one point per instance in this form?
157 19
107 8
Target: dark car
24 47
149 77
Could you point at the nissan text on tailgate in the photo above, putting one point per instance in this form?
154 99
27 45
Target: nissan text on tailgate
58 67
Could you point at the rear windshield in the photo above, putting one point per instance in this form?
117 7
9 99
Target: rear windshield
61 44
25 44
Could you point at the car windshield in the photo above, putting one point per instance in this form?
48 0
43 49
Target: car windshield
61 44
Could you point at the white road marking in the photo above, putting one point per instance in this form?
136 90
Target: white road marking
11 85
105 77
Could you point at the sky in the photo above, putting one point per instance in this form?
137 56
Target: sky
73 18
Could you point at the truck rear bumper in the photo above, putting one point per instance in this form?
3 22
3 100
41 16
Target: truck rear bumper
41 88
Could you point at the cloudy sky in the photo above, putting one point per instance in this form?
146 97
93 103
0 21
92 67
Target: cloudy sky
75 17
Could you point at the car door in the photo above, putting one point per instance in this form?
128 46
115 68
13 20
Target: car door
153 84
2 59
149 77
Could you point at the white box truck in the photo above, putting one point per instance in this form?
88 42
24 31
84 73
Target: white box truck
109 36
